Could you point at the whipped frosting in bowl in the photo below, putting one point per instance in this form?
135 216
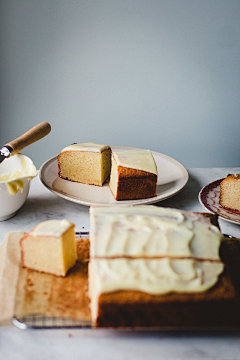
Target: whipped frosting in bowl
16 173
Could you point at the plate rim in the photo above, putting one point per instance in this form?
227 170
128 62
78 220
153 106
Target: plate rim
211 211
124 202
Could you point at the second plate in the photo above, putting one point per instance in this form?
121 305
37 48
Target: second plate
209 198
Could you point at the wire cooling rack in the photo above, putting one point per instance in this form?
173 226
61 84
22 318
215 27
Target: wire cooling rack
43 322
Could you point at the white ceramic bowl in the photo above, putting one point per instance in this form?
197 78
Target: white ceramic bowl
16 173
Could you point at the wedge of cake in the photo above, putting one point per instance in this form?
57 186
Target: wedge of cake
50 247
87 163
230 192
155 267
133 175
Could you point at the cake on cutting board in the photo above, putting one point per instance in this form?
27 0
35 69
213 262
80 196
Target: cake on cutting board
133 175
87 163
153 267
50 247
230 192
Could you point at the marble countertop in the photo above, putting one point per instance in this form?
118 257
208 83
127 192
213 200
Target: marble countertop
43 205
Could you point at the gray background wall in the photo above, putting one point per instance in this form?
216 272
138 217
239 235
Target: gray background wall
156 74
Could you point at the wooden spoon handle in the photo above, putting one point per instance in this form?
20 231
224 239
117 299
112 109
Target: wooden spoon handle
32 135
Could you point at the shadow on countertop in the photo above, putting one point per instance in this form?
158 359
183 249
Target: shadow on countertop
186 198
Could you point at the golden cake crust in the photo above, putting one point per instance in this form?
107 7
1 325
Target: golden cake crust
133 175
135 184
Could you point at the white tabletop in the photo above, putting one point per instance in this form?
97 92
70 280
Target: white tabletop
109 344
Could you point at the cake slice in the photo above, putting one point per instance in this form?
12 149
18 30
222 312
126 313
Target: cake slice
50 247
87 163
133 175
230 192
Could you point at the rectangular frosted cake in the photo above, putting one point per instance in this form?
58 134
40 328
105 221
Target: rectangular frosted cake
152 266
87 163
133 175
50 247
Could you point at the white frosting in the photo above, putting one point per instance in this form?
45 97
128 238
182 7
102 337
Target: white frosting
53 228
150 231
136 159
88 146
15 180
155 276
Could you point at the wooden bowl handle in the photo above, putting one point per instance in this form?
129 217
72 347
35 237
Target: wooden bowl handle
34 134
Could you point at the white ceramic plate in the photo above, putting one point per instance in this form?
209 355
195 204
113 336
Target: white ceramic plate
209 198
172 178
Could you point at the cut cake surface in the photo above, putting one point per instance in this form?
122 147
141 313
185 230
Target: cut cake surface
87 163
230 192
50 247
